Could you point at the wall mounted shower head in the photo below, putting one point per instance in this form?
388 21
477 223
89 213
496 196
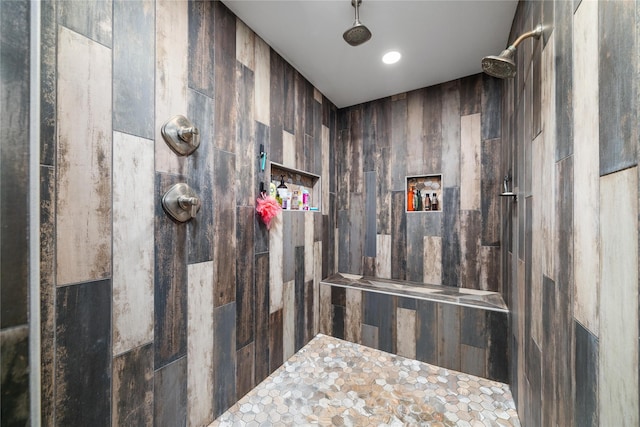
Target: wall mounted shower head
503 65
358 33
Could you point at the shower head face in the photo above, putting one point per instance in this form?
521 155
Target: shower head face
499 67
357 34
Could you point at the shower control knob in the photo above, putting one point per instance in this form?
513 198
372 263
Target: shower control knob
181 135
181 203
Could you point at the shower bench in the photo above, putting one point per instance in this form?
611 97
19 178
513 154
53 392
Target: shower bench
462 329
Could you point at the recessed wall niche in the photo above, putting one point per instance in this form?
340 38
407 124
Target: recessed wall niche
424 193
298 183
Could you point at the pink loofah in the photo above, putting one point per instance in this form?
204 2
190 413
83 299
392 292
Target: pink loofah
268 208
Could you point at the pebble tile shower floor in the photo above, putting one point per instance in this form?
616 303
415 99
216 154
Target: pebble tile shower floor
332 382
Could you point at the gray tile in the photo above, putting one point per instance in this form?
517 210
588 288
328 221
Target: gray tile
618 92
586 376
170 394
91 19
224 358
133 63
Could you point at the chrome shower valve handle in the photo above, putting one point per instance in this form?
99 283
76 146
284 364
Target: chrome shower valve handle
189 203
181 135
181 203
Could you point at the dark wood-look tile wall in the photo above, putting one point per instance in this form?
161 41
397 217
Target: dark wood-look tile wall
219 89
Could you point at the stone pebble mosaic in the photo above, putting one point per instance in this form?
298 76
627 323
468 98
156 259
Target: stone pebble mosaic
331 382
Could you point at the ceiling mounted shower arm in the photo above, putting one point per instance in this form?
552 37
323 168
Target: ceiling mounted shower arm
535 33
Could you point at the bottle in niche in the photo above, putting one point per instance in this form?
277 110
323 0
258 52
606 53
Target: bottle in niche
434 202
410 199
418 199
426 202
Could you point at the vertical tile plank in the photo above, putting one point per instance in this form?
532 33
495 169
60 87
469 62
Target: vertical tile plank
370 215
200 165
200 343
247 158
133 63
451 237
586 169
245 370
170 394
491 107
470 232
83 332
133 387
275 340
398 149
262 330
245 275
276 264
288 320
353 316
224 32
490 188
224 358
432 122
91 19
406 332
451 134
299 301
449 336
170 287
325 309
416 138
262 72
472 360
618 390
432 260
172 76
245 45
470 162
415 246
224 227
276 106
15 375
427 331
497 345
317 251
398 236
586 375
201 50
383 256
471 95
370 336
133 228
83 226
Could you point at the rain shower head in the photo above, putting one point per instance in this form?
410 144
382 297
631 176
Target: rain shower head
503 65
358 33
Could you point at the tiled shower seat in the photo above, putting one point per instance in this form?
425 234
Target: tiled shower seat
332 382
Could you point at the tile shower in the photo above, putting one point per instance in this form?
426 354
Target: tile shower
162 314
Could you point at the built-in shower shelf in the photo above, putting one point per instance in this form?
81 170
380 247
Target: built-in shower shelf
428 188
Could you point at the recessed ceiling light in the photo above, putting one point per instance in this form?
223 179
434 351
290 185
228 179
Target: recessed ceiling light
391 57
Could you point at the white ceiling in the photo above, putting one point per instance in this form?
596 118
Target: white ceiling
440 40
